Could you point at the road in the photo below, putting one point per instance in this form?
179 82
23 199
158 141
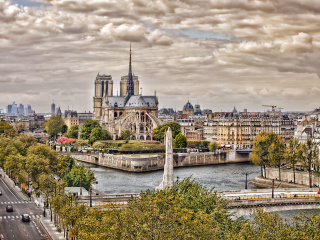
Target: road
11 225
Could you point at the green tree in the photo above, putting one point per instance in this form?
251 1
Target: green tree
6 129
96 134
264 146
64 129
213 146
276 152
73 131
309 156
106 134
87 128
158 132
291 155
54 125
180 141
125 135
78 172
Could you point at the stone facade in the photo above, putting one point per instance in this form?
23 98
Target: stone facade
129 111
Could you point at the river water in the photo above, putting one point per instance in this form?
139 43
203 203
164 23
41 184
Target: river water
222 177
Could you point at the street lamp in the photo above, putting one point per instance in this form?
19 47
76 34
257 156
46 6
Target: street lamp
272 195
80 188
246 184
90 190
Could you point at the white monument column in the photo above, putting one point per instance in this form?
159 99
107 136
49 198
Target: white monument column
167 181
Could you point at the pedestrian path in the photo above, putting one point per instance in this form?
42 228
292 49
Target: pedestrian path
17 217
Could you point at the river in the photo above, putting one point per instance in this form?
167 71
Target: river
220 177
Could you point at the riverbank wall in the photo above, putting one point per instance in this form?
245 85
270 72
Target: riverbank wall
285 179
146 163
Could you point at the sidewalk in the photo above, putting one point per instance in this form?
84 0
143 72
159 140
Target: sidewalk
45 221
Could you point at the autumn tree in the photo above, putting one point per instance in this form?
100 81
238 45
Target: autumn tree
54 125
6 129
265 150
292 155
309 156
213 146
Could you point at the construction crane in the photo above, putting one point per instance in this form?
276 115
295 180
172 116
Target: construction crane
272 107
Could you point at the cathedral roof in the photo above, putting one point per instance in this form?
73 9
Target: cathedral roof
133 101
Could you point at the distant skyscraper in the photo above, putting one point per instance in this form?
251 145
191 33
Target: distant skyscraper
53 108
14 108
21 109
9 108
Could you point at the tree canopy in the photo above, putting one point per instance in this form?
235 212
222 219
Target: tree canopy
73 131
180 141
158 132
125 135
54 125
87 128
6 129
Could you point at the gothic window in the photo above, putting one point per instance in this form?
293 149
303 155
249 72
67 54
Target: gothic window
133 137
115 114
115 104
148 138
141 138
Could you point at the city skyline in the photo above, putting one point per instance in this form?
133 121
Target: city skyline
219 54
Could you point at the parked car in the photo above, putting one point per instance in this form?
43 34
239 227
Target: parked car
9 208
25 218
0 192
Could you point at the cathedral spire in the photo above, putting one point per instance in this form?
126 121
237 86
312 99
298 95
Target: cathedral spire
130 86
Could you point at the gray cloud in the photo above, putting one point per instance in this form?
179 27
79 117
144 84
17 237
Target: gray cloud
264 52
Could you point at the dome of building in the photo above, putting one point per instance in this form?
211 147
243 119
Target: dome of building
188 106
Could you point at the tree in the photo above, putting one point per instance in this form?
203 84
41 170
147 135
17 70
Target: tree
158 132
309 156
96 134
180 141
264 146
276 152
78 172
73 131
54 125
213 146
64 129
6 129
87 128
292 153
125 135
106 134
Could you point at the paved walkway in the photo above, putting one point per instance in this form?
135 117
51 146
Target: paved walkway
45 221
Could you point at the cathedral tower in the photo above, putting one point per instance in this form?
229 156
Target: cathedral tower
103 86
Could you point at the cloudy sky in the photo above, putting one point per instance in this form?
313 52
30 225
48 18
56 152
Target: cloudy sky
218 53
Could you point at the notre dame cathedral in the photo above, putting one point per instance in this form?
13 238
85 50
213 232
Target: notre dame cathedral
129 111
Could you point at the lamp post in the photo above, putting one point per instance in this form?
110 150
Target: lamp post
272 195
246 184
90 190
80 188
